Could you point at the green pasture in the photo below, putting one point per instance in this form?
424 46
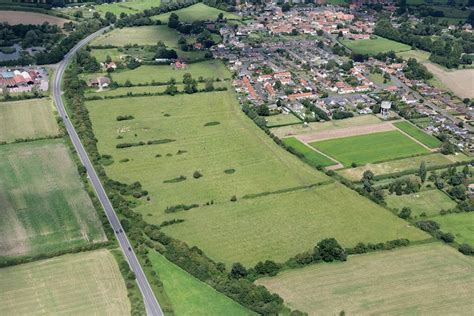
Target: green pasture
418 134
196 12
129 7
430 202
281 119
460 225
429 279
374 46
43 202
311 155
376 147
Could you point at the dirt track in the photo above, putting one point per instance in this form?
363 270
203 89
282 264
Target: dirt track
349 131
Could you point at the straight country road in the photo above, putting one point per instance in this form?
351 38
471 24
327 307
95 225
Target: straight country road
151 304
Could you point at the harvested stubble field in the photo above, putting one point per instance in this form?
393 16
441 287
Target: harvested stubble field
430 202
460 225
460 82
27 119
190 296
43 202
87 283
211 135
24 17
430 279
370 148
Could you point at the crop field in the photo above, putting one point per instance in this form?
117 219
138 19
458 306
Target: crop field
24 17
458 81
370 148
44 206
208 133
196 12
281 119
430 279
418 134
129 7
27 119
163 73
190 296
311 155
313 127
374 46
460 225
393 166
429 202
87 283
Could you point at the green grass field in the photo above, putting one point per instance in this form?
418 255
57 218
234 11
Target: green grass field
430 279
87 283
163 73
420 55
27 119
43 202
190 296
429 202
129 7
376 147
412 163
418 134
197 12
281 119
374 46
313 156
214 137
460 225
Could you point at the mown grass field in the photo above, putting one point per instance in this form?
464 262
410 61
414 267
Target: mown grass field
412 163
420 55
43 202
163 73
430 279
27 119
374 46
281 119
460 225
376 147
313 156
87 283
196 12
429 202
129 7
190 296
275 216
418 134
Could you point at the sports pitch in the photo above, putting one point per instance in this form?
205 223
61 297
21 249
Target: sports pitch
430 279
44 205
87 283
27 119
370 148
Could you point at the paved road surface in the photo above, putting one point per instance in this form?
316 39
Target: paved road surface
152 306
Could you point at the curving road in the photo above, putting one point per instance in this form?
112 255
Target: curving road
151 304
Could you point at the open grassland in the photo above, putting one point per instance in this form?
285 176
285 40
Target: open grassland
163 73
429 202
419 55
430 279
43 202
212 135
281 119
196 12
190 296
460 225
313 127
418 134
87 283
310 154
458 81
279 226
129 7
374 46
24 17
370 148
27 119
393 166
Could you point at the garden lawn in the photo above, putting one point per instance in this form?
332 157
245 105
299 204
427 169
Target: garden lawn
27 119
87 283
429 202
282 119
460 225
190 296
430 279
163 73
212 136
418 134
196 12
43 202
374 46
376 147
311 155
